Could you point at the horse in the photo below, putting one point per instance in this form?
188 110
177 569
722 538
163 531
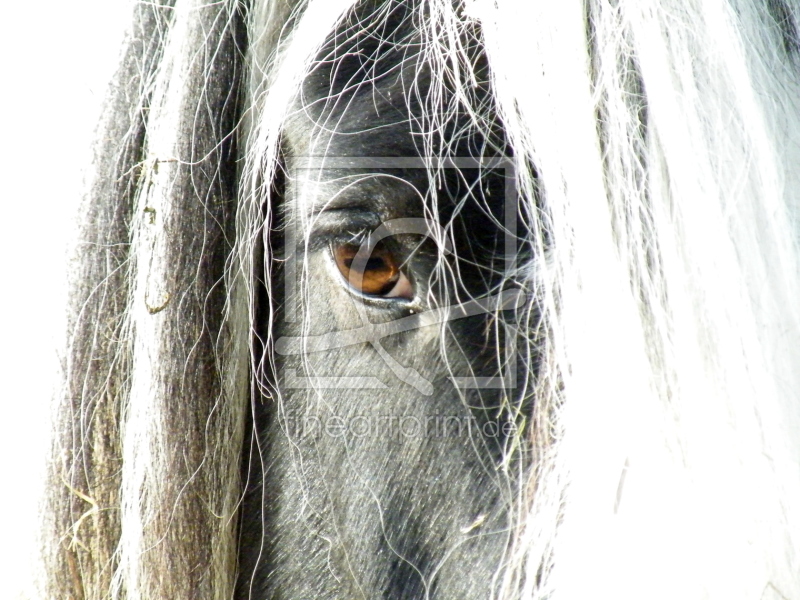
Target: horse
436 299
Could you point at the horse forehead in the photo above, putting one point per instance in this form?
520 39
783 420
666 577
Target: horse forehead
331 152
361 107
371 119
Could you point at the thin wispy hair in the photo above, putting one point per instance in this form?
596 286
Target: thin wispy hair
655 145
144 475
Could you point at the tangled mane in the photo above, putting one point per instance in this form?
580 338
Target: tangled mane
655 148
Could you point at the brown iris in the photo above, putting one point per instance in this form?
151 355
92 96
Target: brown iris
376 275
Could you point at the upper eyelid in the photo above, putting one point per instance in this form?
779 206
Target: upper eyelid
325 238
341 225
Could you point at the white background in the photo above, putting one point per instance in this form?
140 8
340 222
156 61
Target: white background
55 60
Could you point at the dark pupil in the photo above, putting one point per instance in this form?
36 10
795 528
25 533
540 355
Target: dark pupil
373 263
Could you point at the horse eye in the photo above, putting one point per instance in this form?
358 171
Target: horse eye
376 275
